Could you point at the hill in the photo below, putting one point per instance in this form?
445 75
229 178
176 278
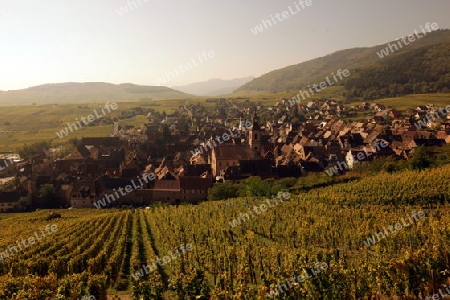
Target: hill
423 70
213 87
296 76
88 92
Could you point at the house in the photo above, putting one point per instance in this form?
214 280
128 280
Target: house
379 107
260 167
194 189
226 155
83 194
117 191
153 132
289 170
356 156
380 117
313 165
70 166
9 201
394 114
166 191
432 142
312 105
198 169
80 152
7 167
101 142
65 192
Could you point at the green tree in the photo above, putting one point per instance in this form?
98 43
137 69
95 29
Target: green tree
281 185
74 141
390 167
35 148
222 191
420 159
23 201
48 197
254 186
47 191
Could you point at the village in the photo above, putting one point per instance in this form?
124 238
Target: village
185 158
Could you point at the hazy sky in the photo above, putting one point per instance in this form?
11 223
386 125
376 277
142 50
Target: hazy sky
45 41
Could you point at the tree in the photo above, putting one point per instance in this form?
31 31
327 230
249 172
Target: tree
48 197
390 167
35 148
165 133
23 201
222 191
47 191
254 186
421 159
74 141
221 112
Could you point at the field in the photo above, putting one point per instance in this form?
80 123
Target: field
35 123
28 124
204 254
412 101
270 98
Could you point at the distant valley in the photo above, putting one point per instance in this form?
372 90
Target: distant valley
213 87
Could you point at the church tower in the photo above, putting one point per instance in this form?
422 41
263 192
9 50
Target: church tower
255 135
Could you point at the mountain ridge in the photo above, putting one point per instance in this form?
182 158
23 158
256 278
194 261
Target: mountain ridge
294 77
88 92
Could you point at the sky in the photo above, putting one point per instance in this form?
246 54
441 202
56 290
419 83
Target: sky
141 41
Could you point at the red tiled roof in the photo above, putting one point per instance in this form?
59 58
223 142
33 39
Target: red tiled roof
234 152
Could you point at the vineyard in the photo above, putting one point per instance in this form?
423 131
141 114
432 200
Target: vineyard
96 252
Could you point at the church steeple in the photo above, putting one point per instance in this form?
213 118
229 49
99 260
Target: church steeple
255 135
256 122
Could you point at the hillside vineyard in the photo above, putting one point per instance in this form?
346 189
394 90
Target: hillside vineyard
94 250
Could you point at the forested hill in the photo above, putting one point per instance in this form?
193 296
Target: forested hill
297 76
419 71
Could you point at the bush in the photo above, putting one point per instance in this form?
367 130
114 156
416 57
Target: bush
222 191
